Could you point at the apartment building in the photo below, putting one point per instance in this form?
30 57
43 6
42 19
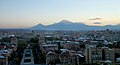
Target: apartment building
95 54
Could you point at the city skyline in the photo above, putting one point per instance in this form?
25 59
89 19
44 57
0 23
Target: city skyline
27 13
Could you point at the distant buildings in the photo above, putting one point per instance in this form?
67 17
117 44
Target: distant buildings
66 47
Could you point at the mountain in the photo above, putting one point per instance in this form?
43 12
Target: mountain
38 26
68 25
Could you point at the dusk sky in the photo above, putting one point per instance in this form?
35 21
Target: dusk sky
27 13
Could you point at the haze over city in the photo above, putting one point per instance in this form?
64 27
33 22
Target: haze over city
27 13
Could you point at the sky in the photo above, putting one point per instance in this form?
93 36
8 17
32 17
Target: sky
27 13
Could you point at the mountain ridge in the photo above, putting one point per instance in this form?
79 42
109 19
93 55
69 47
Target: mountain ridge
68 25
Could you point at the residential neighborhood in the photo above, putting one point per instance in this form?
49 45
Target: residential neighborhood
60 48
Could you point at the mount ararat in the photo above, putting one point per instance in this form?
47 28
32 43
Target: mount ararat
68 25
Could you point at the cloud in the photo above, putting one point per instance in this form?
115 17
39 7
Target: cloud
97 23
96 19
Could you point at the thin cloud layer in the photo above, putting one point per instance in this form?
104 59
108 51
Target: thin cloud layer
97 23
96 19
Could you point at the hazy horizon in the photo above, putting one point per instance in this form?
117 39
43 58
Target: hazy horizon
27 13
